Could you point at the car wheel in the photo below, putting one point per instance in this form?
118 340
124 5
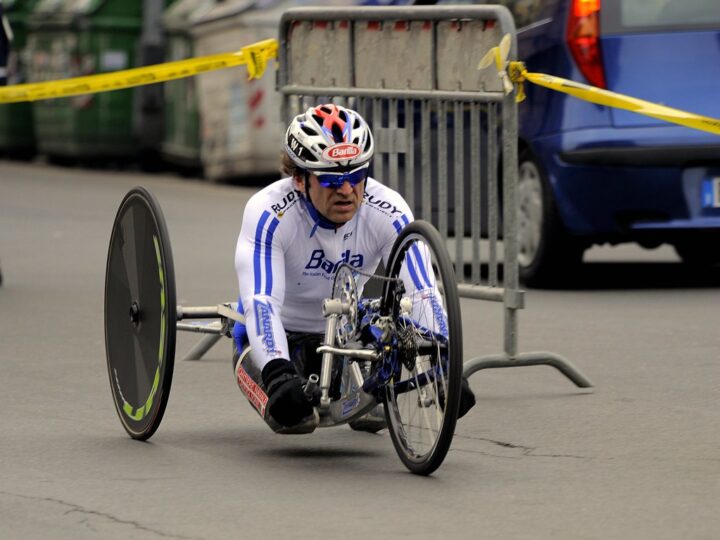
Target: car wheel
547 253
702 251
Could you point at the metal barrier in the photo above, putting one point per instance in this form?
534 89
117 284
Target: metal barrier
445 133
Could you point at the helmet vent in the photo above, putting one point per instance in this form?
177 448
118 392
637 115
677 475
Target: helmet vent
309 130
337 133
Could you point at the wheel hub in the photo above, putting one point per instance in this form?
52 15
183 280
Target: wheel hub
135 313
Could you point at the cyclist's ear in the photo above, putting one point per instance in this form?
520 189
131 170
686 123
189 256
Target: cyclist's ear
299 181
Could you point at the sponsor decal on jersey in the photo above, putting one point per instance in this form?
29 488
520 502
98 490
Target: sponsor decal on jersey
318 260
439 312
378 203
252 391
263 325
287 201
341 152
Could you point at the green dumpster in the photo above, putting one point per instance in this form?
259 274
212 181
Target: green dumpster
70 38
17 137
181 140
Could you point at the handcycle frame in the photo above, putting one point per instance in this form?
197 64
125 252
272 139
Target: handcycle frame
358 397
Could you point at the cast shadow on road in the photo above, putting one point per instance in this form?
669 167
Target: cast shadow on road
627 275
642 275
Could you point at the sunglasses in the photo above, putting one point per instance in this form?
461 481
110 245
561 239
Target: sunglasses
336 180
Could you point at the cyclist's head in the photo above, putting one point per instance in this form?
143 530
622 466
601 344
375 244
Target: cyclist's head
329 138
328 150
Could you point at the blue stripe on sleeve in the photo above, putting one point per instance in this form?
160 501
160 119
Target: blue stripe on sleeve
412 271
268 255
423 270
258 248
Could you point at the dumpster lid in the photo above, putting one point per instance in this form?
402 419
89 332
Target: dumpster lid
81 7
180 14
228 8
76 7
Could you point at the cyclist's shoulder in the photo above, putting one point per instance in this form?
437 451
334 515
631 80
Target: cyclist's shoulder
275 199
384 202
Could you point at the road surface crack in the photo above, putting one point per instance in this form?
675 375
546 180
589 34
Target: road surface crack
529 451
76 508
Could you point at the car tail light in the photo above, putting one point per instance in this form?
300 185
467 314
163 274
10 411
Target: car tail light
583 38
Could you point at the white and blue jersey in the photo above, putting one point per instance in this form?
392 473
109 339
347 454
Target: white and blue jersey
286 259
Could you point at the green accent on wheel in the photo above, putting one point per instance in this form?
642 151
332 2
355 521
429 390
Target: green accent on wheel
141 412
162 300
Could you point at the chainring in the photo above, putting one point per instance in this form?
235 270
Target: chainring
345 290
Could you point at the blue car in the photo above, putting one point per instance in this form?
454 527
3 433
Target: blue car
590 174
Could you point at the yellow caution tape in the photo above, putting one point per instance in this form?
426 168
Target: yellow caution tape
254 56
516 72
613 99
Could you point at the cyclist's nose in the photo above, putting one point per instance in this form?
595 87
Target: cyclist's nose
345 189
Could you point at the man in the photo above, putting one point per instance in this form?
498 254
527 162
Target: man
294 234
5 38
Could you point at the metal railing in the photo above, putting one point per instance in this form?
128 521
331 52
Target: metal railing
446 134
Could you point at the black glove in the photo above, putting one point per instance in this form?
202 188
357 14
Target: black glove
467 398
287 402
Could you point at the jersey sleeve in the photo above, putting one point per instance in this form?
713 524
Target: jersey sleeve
260 267
401 215
417 274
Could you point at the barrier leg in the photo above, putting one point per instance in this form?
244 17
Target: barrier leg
528 359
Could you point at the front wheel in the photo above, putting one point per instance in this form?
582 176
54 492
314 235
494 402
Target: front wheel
422 399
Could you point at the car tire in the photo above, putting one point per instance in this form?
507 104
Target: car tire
547 254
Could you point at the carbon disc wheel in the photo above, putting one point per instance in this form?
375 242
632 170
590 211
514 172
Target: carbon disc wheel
140 313
423 397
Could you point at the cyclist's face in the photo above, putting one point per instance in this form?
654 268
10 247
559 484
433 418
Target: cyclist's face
336 204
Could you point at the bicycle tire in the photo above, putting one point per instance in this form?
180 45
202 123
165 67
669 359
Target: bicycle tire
426 388
140 313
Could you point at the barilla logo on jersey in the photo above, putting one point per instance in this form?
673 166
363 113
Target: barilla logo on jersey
263 324
342 151
318 260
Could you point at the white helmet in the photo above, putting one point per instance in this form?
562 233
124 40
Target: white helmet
329 138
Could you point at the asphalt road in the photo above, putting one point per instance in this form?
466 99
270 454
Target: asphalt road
637 458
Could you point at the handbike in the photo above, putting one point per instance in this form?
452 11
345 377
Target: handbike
402 349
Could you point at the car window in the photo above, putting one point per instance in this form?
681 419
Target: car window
642 15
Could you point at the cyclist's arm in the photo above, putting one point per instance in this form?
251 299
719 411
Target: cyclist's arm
418 278
260 267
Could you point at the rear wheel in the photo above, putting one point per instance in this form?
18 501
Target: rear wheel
422 399
140 314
